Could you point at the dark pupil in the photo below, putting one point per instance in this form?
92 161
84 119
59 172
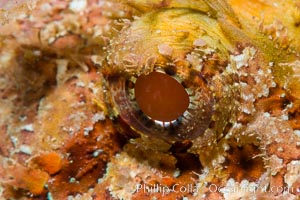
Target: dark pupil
160 96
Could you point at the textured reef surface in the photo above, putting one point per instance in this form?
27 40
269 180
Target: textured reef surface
80 119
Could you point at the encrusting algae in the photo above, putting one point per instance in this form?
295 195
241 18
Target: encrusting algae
113 99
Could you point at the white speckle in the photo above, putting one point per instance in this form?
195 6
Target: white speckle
275 164
14 140
109 4
51 40
99 138
267 115
282 95
248 97
285 117
25 149
221 159
100 180
271 64
214 163
72 180
199 43
87 130
97 59
165 50
37 53
49 196
121 13
22 118
229 69
260 72
185 198
80 84
265 91
278 140
269 71
62 65
226 147
297 132
290 105
239 61
199 67
273 84
246 110
274 131
27 127
46 7
97 152
176 173
78 5
132 174
243 59
293 172
98 117
280 149
93 88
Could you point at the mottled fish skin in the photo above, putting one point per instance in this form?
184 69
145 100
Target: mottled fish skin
70 127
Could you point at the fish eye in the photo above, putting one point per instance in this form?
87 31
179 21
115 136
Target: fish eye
170 78
162 105
161 97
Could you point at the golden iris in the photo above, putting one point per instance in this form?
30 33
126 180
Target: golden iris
166 75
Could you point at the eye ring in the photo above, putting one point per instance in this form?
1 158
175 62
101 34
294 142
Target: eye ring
204 69
191 124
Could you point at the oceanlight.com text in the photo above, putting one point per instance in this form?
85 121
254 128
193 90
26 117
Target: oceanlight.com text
213 188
